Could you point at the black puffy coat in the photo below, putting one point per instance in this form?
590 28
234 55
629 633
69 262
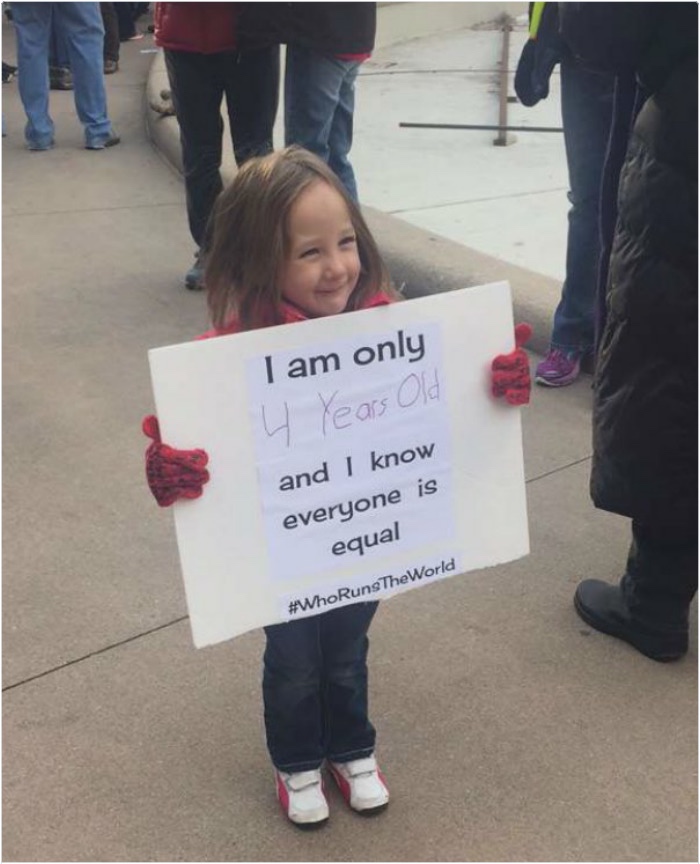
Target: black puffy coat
645 446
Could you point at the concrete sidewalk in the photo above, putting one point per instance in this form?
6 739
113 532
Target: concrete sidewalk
508 730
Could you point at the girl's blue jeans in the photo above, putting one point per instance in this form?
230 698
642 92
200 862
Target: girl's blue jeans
315 689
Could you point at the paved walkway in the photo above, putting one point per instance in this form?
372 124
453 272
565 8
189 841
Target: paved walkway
508 730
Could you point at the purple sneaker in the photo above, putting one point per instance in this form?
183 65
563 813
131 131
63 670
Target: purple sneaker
558 368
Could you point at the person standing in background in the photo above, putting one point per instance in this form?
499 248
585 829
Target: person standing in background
81 25
127 15
326 45
586 108
111 42
204 64
645 407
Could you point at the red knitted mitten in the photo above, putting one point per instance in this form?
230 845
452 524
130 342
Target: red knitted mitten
510 373
172 474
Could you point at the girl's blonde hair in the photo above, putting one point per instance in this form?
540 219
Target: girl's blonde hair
249 239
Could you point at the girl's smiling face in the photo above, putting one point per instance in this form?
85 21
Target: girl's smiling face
322 266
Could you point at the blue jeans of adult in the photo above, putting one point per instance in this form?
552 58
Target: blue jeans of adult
319 103
586 107
250 82
81 25
315 689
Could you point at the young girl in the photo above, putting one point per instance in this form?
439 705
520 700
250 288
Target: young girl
288 244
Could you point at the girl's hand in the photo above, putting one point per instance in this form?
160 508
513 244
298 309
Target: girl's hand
510 373
172 474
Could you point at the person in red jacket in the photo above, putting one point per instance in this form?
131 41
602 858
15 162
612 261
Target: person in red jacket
318 258
205 64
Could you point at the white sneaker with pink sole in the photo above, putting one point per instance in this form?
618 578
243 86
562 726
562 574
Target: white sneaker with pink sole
362 784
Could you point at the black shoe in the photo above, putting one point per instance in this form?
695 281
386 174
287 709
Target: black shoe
602 607
60 78
8 72
194 278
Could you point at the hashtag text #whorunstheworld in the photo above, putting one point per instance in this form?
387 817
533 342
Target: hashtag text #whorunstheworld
347 594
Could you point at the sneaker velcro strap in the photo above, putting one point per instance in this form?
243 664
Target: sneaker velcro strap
362 767
302 780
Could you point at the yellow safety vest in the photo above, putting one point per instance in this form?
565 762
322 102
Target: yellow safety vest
537 10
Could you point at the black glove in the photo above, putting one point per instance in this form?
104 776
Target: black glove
538 59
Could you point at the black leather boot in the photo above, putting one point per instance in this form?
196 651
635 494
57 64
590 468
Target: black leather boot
649 608
603 607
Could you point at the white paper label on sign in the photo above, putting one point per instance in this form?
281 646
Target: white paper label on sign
352 470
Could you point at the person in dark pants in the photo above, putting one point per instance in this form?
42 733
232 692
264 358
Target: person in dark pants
112 42
204 65
127 15
645 413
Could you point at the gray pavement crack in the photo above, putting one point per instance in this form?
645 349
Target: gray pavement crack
179 620
96 653
560 469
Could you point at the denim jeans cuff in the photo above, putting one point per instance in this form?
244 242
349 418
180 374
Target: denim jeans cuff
572 349
296 767
351 755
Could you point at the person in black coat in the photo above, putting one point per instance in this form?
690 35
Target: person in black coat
645 449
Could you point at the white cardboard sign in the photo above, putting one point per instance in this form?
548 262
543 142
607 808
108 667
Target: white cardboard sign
351 458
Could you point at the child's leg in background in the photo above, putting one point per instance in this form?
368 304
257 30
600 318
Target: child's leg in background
315 689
